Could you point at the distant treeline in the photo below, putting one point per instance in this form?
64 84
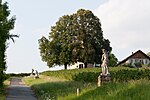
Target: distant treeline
18 75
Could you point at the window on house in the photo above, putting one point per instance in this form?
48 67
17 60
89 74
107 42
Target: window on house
141 61
145 61
131 61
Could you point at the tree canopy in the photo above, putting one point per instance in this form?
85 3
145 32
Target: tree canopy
6 24
75 37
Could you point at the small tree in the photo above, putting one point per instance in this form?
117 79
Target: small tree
112 60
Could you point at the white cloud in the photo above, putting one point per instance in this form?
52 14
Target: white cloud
126 24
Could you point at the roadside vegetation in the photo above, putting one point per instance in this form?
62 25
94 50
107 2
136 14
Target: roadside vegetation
118 74
126 84
47 87
6 25
3 90
2 93
132 90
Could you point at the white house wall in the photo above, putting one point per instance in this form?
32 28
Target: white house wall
75 66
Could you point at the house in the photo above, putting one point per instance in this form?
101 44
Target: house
76 65
137 57
80 65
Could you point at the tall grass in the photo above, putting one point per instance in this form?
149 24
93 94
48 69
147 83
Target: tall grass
72 74
66 90
118 74
127 84
29 80
133 90
50 88
69 74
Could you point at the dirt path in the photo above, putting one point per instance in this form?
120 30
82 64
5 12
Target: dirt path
18 91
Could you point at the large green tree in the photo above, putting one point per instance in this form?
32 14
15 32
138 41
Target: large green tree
76 37
6 24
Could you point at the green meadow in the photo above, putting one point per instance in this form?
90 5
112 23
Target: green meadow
63 85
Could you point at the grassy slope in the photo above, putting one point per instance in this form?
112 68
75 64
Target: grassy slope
80 73
133 90
53 87
66 90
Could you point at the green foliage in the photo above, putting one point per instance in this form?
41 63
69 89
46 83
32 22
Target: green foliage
138 64
70 74
2 78
18 75
112 60
148 65
76 37
6 25
2 93
57 90
133 65
66 90
54 88
86 76
133 90
127 65
118 74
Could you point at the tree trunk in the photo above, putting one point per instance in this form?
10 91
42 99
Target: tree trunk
65 65
85 65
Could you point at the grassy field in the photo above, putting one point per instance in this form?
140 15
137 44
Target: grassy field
58 86
47 87
71 74
118 74
132 90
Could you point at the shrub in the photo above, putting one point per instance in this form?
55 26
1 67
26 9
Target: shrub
138 65
129 65
148 65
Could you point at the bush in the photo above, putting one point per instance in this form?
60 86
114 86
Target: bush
3 77
138 65
129 65
148 65
123 75
86 77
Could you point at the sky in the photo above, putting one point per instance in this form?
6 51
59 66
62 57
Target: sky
124 22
